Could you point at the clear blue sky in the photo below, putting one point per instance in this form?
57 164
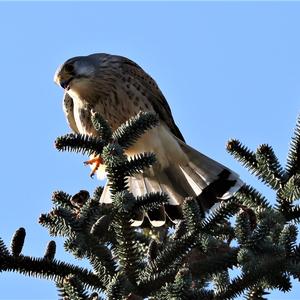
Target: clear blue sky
227 69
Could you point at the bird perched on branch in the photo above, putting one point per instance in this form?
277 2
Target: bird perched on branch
118 89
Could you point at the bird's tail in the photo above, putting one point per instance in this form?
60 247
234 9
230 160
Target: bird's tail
211 181
198 175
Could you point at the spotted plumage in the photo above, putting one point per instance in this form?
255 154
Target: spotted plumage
118 89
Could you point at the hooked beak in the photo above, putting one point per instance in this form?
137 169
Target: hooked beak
65 84
63 79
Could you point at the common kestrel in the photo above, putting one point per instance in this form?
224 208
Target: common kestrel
118 89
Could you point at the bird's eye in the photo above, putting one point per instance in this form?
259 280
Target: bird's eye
69 68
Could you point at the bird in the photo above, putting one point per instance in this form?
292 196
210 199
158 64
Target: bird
118 88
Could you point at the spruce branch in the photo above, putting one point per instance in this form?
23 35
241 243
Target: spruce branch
288 237
102 269
243 154
85 246
79 242
181 289
97 193
292 213
101 126
135 263
139 163
203 294
220 280
3 249
250 197
60 222
264 163
258 238
126 248
153 250
152 283
194 293
241 283
290 191
85 144
89 213
150 201
294 270
170 256
129 132
224 231
51 270
269 168
100 227
71 289
191 214
243 228
115 288
293 160
180 230
256 293
223 212
62 199
296 254
207 265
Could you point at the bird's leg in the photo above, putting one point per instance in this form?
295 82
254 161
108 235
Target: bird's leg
97 161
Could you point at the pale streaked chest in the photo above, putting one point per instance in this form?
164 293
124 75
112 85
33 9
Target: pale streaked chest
116 105
82 114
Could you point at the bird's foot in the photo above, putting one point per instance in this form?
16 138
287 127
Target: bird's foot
97 161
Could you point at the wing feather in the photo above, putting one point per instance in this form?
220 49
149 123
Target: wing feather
154 94
68 107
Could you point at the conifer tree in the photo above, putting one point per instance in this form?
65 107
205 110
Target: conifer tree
191 260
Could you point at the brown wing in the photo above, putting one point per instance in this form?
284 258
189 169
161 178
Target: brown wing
154 94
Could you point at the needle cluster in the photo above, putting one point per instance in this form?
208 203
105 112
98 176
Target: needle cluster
192 260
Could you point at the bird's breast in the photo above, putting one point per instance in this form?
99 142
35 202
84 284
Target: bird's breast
115 98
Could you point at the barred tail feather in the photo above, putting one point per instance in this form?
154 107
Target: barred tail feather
195 175
202 171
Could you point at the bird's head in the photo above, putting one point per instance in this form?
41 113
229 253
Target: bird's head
74 71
